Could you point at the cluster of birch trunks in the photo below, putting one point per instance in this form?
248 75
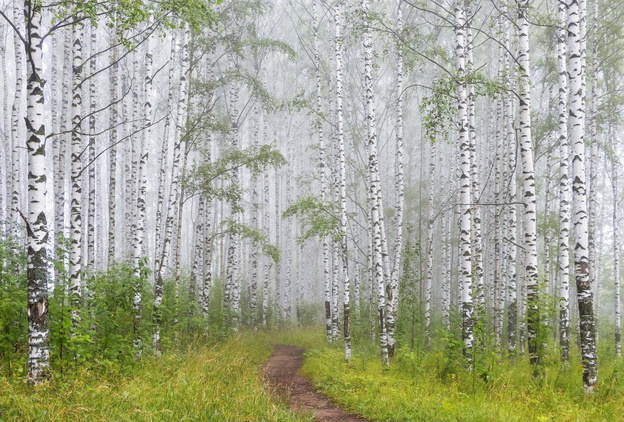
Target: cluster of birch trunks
393 115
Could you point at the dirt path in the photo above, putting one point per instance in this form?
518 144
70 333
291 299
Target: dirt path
282 372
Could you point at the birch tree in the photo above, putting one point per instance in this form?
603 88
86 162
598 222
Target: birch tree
564 188
75 253
376 204
576 69
528 186
342 176
465 195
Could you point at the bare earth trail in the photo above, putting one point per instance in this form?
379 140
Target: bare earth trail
282 372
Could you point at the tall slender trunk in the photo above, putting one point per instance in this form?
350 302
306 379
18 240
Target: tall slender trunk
576 70
15 113
75 253
399 178
255 217
342 181
512 251
139 232
180 136
323 180
162 174
477 244
386 338
430 252
278 287
113 139
174 197
564 189
266 227
465 195
91 153
289 233
61 146
616 261
36 222
593 164
528 187
196 269
207 265
6 137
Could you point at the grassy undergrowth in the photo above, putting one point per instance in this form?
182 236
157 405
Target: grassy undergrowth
205 383
223 383
427 387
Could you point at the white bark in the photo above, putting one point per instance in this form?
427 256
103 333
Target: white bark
564 189
430 253
528 185
37 228
342 180
267 230
465 195
91 149
576 71
113 139
75 255
616 262
374 193
15 118
399 178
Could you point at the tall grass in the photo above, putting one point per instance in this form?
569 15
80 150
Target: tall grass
430 386
204 383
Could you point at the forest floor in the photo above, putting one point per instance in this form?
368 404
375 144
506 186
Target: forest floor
244 377
282 372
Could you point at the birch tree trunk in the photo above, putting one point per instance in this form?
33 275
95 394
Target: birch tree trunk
6 159
593 171
162 175
255 217
322 176
232 287
75 255
576 69
91 153
564 189
510 146
207 265
267 230
616 261
289 234
386 341
139 232
113 139
528 187
180 136
477 244
430 225
342 180
36 222
174 198
15 113
278 287
399 178
465 195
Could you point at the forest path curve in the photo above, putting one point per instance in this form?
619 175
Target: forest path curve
282 372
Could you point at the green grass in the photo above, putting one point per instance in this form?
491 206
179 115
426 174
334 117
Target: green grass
207 383
427 387
223 383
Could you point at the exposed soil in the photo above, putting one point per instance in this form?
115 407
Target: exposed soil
282 372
